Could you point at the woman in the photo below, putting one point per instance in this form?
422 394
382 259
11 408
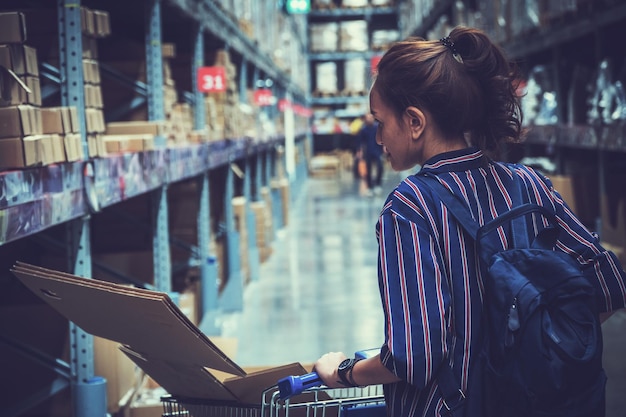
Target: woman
447 106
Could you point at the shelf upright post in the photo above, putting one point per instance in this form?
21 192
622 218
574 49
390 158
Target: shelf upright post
258 174
232 295
290 140
243 81
197 62
156 112
88 392
208 266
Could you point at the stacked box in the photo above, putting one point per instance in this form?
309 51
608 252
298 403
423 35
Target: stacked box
353 36
354 3
326 78
383 38
224 112
123 58
266 197
63 122
324 37
239 210
355 72
95 25
22 139
263 236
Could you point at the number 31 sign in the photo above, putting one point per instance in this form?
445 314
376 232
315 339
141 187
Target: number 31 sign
211 79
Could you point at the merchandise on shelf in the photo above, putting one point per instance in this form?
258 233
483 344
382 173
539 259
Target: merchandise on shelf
355 76
324 37
353 36
326 78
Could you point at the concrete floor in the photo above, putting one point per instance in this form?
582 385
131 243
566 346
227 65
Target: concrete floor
318 290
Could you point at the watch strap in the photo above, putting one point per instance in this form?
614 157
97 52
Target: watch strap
345 372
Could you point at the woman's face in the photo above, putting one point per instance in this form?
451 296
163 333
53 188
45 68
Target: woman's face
394 135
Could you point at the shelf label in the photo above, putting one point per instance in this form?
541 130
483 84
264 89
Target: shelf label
374 63
263 97
211 79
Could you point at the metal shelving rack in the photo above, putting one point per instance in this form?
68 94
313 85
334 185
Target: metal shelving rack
88 187
338 103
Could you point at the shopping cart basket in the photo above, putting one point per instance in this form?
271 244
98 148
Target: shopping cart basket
174 406
295 396
311 401
284 400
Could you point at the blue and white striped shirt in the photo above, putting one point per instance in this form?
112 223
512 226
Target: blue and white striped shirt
430 285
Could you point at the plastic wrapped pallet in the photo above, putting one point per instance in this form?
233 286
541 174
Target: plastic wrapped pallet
381 3
355 71
326 78
382 38
354 3
324 37
323 4
353 36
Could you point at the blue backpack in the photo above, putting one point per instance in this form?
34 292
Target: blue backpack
542 349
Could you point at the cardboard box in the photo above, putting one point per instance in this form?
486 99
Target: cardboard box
102 22
94 121
563 184
12 27
88 21
16 90
74 122
21 59
121 373
91 71
73 144
135 128
20 152
155 334
20 121
56 120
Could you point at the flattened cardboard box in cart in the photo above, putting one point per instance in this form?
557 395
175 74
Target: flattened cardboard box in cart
154 334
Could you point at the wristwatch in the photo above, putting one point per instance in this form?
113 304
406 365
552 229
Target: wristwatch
345 372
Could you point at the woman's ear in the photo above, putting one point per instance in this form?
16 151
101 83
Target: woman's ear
416 120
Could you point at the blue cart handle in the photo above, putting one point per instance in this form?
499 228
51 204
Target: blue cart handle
294 385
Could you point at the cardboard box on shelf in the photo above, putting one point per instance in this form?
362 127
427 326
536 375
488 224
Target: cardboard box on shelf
563 184
56 120
102 22
128 143
21 59
134 128
16 90
19 152
91 71
12 27
121 373
20 121
73 144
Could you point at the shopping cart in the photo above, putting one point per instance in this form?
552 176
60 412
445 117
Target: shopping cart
325 402
301 395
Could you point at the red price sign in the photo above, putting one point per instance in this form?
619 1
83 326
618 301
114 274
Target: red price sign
374 63
211 79
263 97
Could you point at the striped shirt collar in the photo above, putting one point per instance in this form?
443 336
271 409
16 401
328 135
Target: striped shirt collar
459 160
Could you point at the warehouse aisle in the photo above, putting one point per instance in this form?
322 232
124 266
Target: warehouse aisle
318 290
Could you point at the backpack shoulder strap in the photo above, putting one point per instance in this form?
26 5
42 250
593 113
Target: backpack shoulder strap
482 234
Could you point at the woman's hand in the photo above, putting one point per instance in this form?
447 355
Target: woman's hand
326 368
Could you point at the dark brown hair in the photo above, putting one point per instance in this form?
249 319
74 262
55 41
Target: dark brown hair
476 97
